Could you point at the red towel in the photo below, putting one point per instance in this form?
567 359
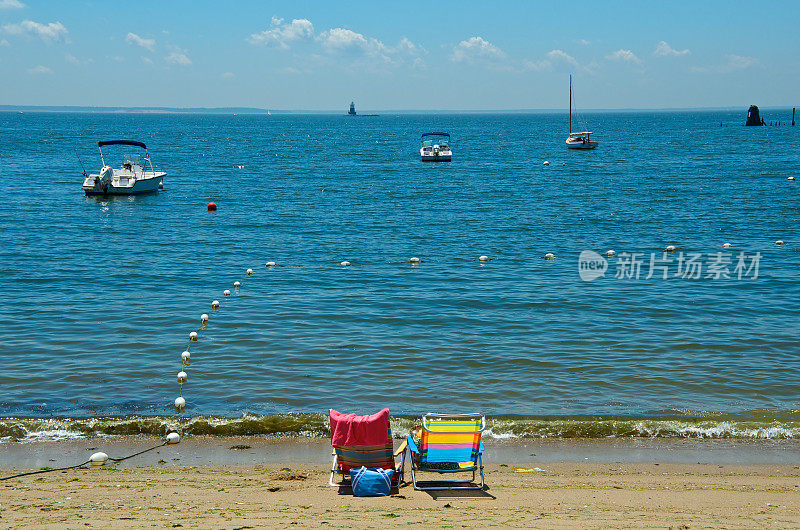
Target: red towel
352 430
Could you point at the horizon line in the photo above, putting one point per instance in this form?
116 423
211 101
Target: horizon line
258 110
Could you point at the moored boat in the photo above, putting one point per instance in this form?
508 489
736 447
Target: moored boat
435 147
131 179
578 140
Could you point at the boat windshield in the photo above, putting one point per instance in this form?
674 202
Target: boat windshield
131 160
427 143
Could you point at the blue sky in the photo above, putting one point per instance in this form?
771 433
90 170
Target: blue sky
399 55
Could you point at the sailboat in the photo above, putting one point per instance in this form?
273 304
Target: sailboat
578 140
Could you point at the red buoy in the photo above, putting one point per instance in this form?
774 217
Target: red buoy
212 207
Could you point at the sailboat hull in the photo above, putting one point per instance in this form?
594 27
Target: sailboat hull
591 144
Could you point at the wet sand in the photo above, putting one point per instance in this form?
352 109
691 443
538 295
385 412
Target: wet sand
253 482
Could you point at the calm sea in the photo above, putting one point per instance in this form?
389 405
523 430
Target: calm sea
100 295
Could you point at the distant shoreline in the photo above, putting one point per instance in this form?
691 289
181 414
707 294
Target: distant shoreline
264 112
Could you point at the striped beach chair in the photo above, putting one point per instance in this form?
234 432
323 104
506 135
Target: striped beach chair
449 443
368 443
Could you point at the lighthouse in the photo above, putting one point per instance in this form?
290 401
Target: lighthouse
352 111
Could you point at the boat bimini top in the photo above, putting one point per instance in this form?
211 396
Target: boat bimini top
429 143
133 143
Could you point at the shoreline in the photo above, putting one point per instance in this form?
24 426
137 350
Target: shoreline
256 450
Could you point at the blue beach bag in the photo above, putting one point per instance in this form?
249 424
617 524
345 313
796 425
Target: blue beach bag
371 482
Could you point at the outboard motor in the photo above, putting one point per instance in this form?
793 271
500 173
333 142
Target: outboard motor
106 174
104 180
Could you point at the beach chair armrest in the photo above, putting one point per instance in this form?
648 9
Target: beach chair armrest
412 446
480 448
402 449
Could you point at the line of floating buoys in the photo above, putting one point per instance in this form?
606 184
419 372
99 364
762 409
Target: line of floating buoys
549 256
670 248
483 258
270 264
226 292
780 242
726 245
611 252
345 263
237 284
414 260
215 304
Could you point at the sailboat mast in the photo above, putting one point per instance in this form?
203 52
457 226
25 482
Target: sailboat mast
570 103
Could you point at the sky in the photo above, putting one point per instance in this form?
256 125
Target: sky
446 55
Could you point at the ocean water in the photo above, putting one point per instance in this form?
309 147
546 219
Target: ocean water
101 294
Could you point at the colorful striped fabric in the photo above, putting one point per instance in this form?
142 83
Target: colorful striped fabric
349 457
440 444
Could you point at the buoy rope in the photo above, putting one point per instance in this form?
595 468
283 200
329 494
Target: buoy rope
115 460
37 472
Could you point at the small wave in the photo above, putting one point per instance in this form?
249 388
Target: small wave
723 426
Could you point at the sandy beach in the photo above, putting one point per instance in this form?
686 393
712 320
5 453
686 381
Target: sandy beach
163 490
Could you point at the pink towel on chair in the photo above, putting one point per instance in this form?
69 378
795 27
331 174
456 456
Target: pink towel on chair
352 430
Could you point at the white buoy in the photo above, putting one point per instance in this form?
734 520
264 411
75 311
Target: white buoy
670 248
345 264
180 403
549 255
226 292
483 258
270 264
204 318
193 335
98 459
780 242
545 163
611 252
789 178
414 260
249 272
173 438
182 376
726 245
186 357
237 284
215 304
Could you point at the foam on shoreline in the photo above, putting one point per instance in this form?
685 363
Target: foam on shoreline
746 426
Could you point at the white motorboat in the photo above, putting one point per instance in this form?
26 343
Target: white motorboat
578 140
131 179
435 147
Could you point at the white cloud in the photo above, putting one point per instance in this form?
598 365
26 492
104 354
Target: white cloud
4 42
178 57
280 34
732 63
228 75
347 41
536 66
407 47
626 56
739 62
11 4
558 56
476 49
147 60
147 44
39 70
71 59
584 42
663 50
52 32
